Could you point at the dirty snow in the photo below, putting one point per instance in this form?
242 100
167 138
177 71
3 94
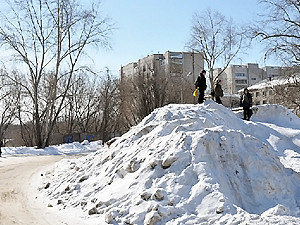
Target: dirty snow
187 164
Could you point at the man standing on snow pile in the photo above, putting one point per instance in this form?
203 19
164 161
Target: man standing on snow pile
200 84
218 92
246 103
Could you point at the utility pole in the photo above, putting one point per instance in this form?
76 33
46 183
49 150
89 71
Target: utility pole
193 55
193 68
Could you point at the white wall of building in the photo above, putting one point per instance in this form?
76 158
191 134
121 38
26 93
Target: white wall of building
237 77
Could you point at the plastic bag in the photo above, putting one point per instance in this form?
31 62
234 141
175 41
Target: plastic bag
196 92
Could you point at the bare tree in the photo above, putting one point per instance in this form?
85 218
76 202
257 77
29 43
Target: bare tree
49 38
127 115
279 29
142 93
8 103
288 94
217 38
109 107
82 103
92 106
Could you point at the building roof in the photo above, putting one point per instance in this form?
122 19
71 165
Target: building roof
276 81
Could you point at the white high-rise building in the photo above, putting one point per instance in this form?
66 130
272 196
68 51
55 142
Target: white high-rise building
237 77
174 65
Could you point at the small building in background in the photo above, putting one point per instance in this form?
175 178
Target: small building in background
283 90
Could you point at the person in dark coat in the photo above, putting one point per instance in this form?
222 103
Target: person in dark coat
201 85
218 92
246 103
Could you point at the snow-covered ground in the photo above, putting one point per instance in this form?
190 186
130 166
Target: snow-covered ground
186 164
64 149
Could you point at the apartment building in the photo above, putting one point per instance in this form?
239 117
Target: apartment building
183 66
237 77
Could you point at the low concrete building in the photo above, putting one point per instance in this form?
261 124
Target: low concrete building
280 90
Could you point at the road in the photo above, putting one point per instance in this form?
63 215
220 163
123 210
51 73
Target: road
18 192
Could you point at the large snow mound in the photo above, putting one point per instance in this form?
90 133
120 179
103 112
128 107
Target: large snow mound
187 164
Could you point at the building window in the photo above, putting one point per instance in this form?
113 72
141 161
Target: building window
175 68
176 58
240 75
241 81
270 92
176 61
253 78
264 101
256 94
161 61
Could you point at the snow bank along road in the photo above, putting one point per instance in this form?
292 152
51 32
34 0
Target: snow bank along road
18 175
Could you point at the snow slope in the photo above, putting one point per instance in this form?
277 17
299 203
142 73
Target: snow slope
188 164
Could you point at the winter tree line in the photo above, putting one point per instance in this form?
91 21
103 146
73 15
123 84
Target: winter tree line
47 87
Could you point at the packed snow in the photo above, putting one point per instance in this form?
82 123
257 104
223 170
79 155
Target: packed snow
64 149
186 164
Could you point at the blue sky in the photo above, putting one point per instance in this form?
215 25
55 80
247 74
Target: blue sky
146 27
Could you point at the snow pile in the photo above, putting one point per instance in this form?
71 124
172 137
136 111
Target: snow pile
276 114
64 149
186 164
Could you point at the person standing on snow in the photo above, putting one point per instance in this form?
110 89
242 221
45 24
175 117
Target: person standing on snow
200 84
246 103
218 92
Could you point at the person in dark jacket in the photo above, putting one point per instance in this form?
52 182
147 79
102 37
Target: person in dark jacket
218 92
201 85
246 103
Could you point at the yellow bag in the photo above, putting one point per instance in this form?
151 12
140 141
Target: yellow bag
196 92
